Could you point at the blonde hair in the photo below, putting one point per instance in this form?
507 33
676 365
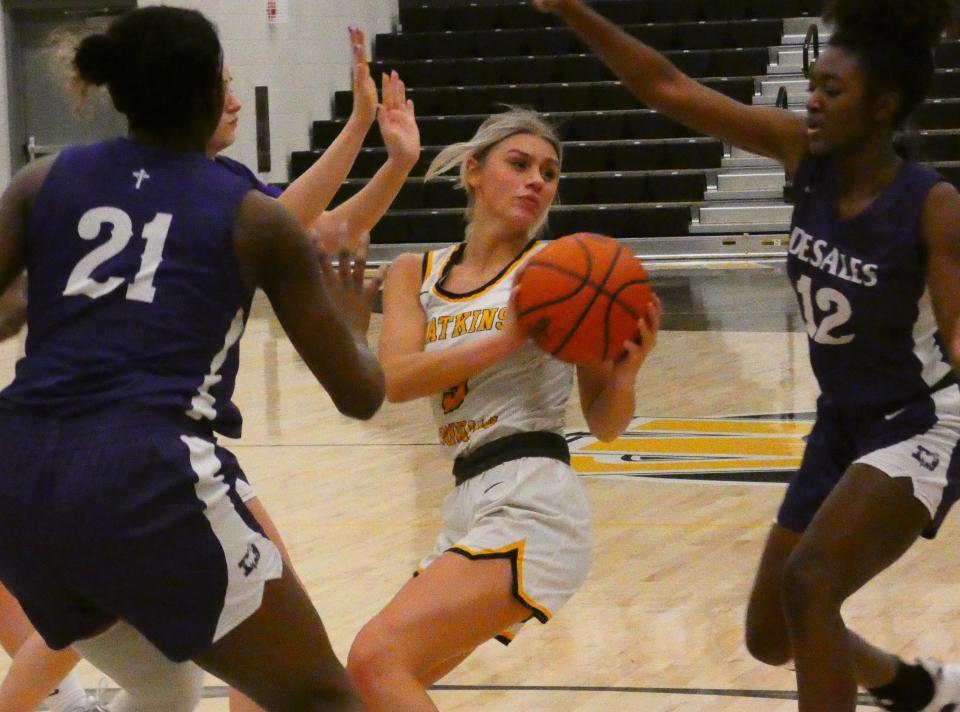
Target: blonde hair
493 131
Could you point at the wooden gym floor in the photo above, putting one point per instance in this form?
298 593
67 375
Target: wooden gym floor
682 505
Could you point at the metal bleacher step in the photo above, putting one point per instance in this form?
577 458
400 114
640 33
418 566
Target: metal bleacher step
745 212
750 228
753 180
795 30
738 159
746 185
795 84
726 196
743 217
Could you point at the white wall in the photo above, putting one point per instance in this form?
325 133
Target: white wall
302 62
6 159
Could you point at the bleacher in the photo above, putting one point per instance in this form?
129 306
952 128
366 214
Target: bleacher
628 171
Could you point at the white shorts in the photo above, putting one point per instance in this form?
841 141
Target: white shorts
532 511
926 456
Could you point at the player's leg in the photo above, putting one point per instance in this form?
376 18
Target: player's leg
867 523
34 672
440 671
150 681
828 453
281 657
239 702
767 637
37 674
453 606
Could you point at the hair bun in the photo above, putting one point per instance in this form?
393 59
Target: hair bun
96 59
916 21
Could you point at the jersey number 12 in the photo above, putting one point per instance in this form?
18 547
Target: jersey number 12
836 306
141 289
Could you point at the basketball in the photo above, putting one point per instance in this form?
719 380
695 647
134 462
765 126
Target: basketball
580 298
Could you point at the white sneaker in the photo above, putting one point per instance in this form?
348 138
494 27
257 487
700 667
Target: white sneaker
946 686
90 704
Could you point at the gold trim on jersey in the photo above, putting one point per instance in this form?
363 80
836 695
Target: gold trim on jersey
697 446
427 267
443 294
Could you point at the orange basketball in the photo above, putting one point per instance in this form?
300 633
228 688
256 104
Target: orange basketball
580 298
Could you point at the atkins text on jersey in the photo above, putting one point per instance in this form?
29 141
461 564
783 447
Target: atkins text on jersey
814 252
467 322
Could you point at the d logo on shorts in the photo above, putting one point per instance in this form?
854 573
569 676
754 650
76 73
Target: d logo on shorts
250 560
927 458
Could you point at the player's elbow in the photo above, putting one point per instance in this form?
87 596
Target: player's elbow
397 393
605 432
363 399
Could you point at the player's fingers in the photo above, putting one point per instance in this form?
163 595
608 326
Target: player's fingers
361 253
655 314
632 351
647 337
326 268
372 285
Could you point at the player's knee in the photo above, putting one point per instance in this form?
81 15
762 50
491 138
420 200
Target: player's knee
373 652
807 585
768 645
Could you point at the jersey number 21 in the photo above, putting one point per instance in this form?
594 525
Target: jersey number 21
141 289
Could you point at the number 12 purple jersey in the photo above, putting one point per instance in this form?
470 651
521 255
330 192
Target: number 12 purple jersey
861 285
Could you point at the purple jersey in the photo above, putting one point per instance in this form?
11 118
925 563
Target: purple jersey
238 169
861 285
135 297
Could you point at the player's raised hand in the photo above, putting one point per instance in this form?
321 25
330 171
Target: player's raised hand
364 88
343 262
398 121
550 5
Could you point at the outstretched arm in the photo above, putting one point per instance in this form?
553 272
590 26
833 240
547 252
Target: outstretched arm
941 228
310 194
768 131
324 311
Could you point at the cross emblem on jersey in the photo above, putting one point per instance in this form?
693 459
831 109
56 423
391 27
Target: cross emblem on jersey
141 176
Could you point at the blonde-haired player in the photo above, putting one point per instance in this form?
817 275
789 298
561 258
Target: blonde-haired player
517 534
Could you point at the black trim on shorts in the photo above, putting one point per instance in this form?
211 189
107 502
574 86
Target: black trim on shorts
949 380
511 447
513 554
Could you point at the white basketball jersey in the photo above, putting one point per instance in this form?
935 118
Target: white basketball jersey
525 392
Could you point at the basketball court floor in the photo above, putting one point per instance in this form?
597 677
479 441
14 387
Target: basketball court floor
682 504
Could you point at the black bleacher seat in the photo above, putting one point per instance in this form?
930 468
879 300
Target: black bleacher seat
487 71
946 83
937 113
603 125
639 220
579 157
575 190
558 41
487 100
948 54
949 170
932 145
519 13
